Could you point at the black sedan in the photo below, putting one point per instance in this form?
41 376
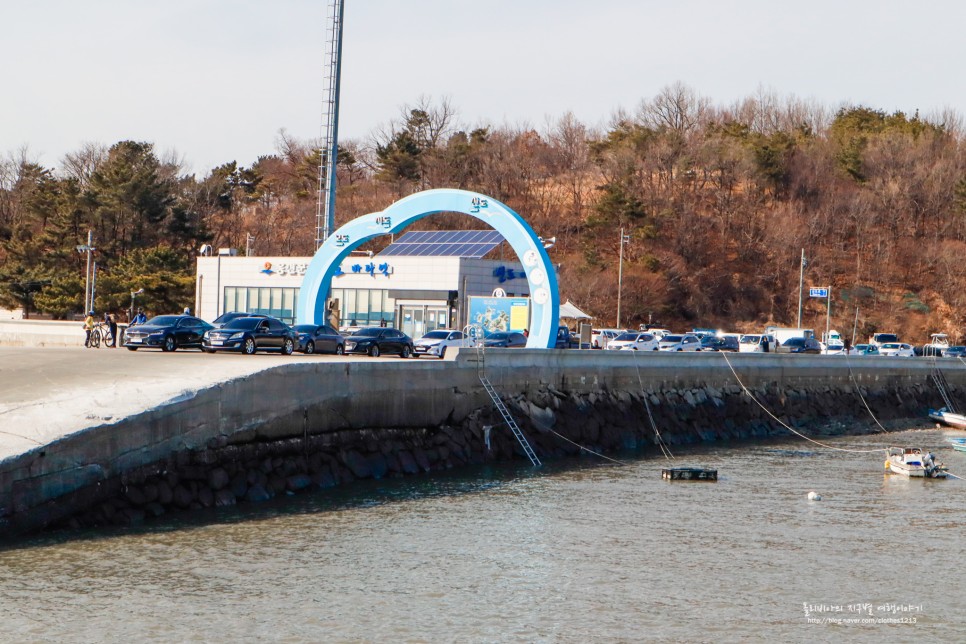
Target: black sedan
800 345
714 343
376 340
319 338
251 334
167 332
510 339
225 318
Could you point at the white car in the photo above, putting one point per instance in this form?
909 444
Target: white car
756 343
900 349
686 342
633 341
600 338
436 342
834 348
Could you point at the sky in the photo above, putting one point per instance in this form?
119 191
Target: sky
214 81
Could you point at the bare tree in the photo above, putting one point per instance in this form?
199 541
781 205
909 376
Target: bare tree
676 107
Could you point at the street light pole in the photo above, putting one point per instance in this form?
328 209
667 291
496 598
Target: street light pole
620 274
87 248
801 279
133 293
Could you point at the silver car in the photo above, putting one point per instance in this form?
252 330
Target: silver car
686 342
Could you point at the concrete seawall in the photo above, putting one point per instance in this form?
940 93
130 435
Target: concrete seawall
320 424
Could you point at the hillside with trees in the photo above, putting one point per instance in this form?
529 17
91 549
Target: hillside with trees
718 201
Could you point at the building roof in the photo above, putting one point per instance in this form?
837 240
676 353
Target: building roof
445 243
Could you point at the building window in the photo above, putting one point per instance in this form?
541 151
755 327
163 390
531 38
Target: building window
279 303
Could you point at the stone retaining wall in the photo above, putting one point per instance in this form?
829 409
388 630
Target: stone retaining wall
314 426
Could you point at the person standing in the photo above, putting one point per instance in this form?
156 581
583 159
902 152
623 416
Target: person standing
88 327
140 318
112 325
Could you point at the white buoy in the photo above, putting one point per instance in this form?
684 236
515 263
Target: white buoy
814 496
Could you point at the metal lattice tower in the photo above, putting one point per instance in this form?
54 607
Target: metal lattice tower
329 140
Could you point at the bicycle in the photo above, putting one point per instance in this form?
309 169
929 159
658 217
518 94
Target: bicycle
100 332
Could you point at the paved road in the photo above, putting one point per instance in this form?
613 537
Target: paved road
47 393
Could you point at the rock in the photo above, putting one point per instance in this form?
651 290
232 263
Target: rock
407 462
154 509
224 498
164 493
206 497
357 464
182 497
298 482
134 495
218 478
257 494
377 465
239 485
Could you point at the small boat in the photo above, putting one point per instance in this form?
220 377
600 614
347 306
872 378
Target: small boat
959 444
910 461
938 343
689 474
948 418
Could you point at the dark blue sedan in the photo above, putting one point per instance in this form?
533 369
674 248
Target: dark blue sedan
319 338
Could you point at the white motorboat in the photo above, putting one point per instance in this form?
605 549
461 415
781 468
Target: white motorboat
912 462
948 418
938 343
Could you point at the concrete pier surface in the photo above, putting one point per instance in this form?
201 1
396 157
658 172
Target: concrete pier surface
49 393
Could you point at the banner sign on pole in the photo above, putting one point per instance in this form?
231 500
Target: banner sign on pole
818 292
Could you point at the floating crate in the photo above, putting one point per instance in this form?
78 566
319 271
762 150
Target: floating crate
689 474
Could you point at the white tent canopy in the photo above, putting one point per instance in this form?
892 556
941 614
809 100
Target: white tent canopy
571 312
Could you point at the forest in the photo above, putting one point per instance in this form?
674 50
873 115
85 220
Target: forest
718 203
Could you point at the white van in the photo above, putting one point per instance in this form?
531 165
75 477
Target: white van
757 343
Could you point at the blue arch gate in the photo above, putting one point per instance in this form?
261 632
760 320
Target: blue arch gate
541 277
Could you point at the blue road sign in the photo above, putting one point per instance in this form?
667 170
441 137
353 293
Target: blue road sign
818 292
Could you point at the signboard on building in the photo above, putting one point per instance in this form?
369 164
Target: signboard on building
500 313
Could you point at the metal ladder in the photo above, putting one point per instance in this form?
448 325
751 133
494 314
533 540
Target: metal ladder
495 397
943 386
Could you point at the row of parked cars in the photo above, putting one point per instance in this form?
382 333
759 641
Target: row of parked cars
250 333
661 340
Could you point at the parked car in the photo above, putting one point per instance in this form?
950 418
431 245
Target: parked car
724 343
600 338
436 342
508 339
865 350
834 348
957 351
685 342
319 338
634 341
900 349
756 343
251 334
167 332
225 318
800 345
377 340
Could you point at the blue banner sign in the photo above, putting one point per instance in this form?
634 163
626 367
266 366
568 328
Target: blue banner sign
818 292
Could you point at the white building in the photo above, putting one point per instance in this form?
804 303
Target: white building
413 292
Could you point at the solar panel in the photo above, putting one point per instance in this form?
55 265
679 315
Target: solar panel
445 243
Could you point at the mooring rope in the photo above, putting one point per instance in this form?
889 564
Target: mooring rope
586 449
665 449
724 354
858 390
